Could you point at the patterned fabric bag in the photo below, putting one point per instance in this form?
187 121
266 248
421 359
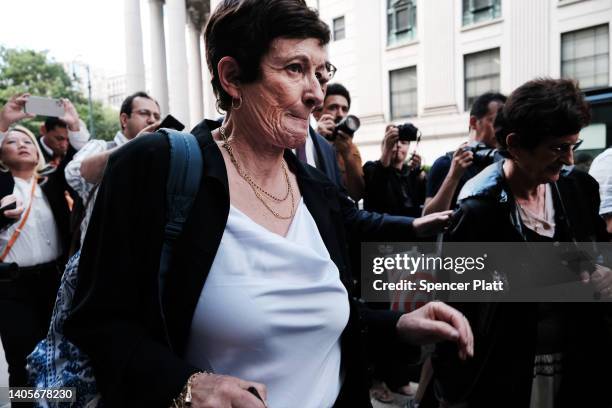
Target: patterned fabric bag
56 362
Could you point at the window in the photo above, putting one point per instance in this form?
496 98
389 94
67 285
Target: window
585 56
481 71
401 21
475 11
339 33
403 90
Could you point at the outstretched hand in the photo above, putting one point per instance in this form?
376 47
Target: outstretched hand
431 224
436 322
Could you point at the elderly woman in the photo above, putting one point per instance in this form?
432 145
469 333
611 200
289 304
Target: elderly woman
259 294
33 237
541 355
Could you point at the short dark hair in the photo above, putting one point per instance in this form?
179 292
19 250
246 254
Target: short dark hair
52 123
338 89
244 30
542 108
480 107
126 105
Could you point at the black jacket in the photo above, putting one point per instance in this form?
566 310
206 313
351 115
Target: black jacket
392 191
501 372
326 157
117 320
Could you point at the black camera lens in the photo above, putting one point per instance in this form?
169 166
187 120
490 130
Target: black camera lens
408 132
349 125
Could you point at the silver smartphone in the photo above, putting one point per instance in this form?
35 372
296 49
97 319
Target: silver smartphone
44 106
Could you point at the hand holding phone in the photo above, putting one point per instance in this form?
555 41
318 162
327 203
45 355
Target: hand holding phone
11 209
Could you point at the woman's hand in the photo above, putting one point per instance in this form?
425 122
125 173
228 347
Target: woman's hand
435 322
13 111
221 391
15 213
431 224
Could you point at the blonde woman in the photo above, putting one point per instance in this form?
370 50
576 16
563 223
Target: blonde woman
33 239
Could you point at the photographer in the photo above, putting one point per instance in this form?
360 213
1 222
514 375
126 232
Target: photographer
395 184
333 124
450 172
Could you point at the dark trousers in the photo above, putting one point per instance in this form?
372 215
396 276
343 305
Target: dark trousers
26 304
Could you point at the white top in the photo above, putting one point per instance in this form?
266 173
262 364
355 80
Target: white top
272 311
39 240
78 183
601 170
542 225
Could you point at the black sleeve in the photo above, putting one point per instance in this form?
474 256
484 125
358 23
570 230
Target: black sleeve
371 226
115 318
374 186
7 185
437 174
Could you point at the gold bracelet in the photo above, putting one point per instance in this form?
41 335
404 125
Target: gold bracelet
184 398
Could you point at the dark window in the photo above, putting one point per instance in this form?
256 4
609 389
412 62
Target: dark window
403 92
339 32
475 11
401 21
585 56
481 73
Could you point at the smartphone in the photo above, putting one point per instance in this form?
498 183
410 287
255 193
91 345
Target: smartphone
10 206
170 122
44 106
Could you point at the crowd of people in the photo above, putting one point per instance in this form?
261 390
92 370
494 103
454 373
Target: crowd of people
261 306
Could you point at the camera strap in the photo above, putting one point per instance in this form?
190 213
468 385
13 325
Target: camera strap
17 231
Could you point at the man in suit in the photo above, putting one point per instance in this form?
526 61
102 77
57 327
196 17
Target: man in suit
62 137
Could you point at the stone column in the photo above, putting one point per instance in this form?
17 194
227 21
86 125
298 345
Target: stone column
526 48
438 69
159 88
194 59
177 61
135 72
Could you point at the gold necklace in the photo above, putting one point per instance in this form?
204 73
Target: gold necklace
258 190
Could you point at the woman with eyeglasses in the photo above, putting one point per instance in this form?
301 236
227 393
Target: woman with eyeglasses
538 355
257 305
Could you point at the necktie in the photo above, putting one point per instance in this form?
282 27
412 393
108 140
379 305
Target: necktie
300 151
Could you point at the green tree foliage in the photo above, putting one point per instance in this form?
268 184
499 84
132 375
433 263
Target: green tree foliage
34 72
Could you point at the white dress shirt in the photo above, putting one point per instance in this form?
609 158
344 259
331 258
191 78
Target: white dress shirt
272 311
39 240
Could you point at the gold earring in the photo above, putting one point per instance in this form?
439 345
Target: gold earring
239 103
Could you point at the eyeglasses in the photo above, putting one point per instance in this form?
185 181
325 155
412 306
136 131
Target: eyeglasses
566 147
330 71
148 113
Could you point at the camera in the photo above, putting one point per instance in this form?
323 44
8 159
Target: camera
408 132
349 125
483 154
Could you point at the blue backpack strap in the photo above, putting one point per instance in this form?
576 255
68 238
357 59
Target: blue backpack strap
184 175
